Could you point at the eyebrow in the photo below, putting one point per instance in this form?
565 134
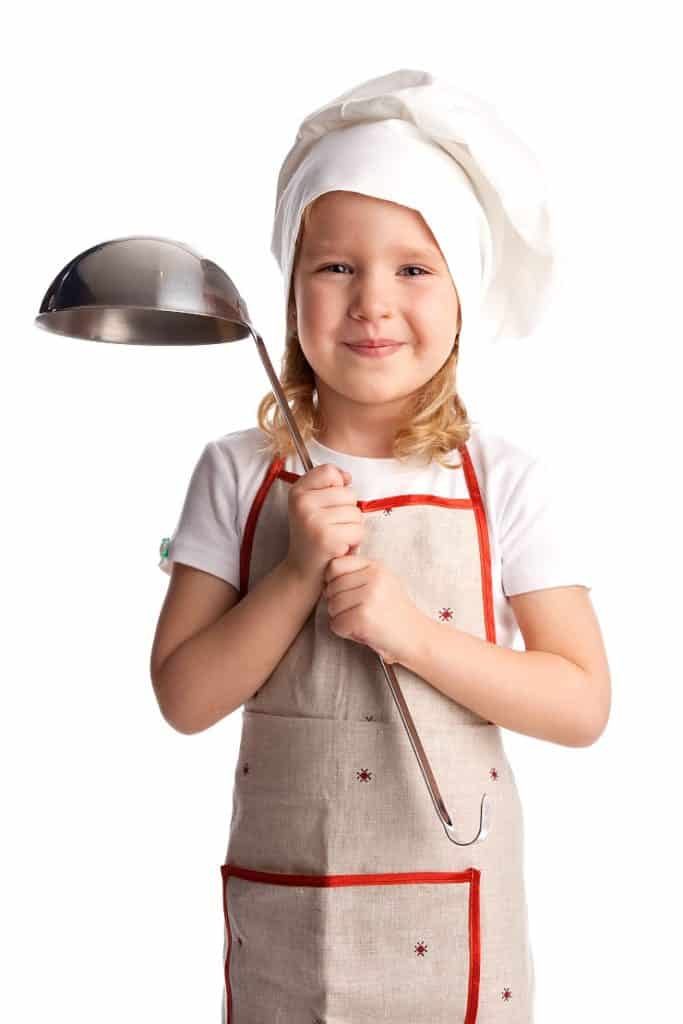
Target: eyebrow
317 248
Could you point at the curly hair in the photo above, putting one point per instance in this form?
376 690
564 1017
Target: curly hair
439 422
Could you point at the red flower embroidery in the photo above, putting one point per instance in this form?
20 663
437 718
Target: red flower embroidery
421 948
494 774
506 995
364 775
446 614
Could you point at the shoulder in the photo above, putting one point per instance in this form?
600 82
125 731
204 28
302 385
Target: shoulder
242 457
496 451
241 449
240 444
533 505
502 465
523 489
228 464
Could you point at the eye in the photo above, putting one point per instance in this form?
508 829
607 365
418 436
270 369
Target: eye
421 269
330 266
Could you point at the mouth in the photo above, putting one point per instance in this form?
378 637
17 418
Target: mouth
374 343
376 349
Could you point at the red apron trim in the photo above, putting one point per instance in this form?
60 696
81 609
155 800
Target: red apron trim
484 548
475 948
330 881
226 966
394 500
470 875
250 526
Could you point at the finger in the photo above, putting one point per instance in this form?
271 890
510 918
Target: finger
344 564
340 585
344 601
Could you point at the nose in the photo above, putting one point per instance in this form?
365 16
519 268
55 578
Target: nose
369 296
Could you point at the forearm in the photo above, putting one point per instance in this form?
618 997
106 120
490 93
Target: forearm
532 692
221 667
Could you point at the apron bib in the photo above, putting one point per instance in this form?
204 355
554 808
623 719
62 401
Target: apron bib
344 901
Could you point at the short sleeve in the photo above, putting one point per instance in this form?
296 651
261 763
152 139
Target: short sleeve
206 535
542 535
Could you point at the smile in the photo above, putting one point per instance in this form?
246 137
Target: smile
373 353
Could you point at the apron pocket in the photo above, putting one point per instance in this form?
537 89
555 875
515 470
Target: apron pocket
401 947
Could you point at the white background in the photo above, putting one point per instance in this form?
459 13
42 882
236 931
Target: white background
169 119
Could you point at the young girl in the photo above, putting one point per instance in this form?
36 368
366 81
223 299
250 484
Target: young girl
406 214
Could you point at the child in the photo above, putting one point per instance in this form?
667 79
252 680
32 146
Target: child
416 535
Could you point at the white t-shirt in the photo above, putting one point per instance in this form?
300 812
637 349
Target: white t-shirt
535 537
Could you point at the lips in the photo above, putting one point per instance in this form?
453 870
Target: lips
374 351
375 343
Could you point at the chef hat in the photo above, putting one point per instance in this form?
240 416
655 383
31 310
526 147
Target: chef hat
413 139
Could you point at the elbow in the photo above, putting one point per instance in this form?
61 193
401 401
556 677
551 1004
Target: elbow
170 716
170 710
178 723
587 737
181 723
597 699
185 716
593 730
184 720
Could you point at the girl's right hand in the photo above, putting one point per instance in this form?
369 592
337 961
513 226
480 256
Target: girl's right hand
324 520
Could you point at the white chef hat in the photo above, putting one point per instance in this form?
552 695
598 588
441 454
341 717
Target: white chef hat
413 139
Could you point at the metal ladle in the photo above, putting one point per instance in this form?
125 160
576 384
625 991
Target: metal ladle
146 290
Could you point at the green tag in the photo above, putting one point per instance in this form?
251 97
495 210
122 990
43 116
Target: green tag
163 549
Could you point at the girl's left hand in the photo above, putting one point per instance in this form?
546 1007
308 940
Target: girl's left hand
366 602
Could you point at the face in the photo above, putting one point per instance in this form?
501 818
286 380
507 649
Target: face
368 268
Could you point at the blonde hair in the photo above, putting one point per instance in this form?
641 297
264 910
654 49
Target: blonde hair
439 421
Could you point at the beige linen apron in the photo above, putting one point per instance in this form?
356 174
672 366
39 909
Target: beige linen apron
344 900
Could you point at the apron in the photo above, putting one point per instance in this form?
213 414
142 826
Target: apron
344 901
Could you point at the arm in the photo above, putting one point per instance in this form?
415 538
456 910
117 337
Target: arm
558 689
223 657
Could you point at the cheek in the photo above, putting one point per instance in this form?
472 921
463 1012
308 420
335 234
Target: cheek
320 307
439 320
